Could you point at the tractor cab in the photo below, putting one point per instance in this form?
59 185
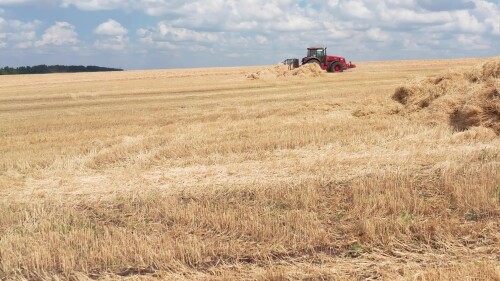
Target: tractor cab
319 53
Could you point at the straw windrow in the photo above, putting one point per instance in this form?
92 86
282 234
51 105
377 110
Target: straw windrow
463 98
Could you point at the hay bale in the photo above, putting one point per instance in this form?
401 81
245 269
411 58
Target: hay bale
307 70
282 71
462 98
489 102
491 69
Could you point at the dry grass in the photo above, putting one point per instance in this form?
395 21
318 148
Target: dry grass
464 98
204 174
282 71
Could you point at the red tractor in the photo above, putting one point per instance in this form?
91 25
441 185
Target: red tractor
319 56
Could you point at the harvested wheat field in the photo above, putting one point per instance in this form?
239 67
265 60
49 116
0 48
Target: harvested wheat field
390 171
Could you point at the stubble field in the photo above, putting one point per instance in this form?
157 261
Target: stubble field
206 174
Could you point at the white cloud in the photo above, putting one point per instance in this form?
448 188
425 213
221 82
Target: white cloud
110 28
287 15
445 5
94 5
166 31
490 12
291 23
338 30
167 45
409 16
464 21
356 9
61 33
473 42
116 43
26 2
376 34
261 39
17 33
222 14
333 3
165 36
13 2
24 45
112 36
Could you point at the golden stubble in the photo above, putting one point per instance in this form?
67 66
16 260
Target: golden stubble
206 174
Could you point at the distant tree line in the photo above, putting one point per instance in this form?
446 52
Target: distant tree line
41 69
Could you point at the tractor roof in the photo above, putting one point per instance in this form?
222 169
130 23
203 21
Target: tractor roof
315 48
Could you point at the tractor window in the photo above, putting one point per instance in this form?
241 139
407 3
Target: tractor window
316 53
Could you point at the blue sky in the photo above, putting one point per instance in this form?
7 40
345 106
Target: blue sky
146 34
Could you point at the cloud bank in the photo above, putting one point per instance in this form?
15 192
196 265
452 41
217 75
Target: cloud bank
232 32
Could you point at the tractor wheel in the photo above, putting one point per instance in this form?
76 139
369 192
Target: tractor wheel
336 67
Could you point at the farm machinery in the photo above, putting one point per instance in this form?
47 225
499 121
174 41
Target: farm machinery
319 56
